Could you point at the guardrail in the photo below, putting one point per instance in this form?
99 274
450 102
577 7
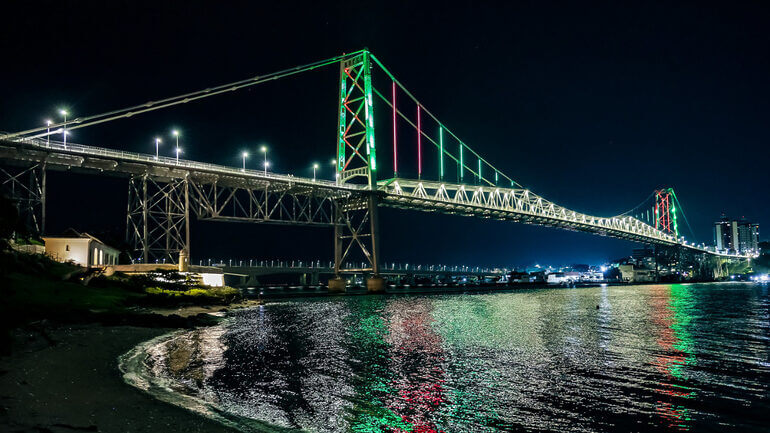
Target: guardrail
165 161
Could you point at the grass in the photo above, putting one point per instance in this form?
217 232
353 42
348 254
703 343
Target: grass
35 287
31 292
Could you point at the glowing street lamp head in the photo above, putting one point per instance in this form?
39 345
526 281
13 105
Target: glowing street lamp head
263 149
175 133
333 162
48 122
315 165
158 140
178 150
64 112
245 154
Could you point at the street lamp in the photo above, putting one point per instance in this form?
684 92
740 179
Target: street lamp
267 164
315 167
263 149
64 130
157 147
245 155
178 151
48 132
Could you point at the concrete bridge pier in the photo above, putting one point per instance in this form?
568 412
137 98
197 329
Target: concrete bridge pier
337 285
375 284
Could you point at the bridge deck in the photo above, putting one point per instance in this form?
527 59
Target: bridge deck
511 204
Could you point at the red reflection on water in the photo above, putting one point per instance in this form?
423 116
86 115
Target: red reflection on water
417 357
669 360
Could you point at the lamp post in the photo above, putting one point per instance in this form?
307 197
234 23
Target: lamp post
263 149
157 147
178 151
64 129
315 167
48 132
245 155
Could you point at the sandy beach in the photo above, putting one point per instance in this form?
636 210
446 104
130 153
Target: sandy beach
66 379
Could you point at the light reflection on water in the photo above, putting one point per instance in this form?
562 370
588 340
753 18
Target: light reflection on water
646 358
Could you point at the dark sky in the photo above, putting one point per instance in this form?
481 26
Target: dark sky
592 105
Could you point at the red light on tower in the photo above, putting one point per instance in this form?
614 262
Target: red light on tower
663 205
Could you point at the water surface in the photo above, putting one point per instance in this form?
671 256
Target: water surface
637 358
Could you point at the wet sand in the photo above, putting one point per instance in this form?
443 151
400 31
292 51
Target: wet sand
66 379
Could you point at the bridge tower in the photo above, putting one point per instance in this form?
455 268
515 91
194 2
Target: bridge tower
26 187
356 230
665 211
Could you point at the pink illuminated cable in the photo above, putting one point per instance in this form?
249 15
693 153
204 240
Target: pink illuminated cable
395 152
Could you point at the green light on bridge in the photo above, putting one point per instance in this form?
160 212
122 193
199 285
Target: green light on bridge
369 112
441 151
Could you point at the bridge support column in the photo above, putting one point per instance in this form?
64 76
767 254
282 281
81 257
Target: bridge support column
337 285
375 284
157 220
26 186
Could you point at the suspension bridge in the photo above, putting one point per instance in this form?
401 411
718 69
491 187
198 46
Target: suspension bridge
451 178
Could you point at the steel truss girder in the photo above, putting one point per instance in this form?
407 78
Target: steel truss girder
512 204
157 221
273 203
26 186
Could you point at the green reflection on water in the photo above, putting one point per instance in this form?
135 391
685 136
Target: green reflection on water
367 333
677 339
681 304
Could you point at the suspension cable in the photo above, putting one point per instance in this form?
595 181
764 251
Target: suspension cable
681 209
637 206
82 122
425 110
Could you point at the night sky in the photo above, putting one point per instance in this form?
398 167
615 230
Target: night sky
592 106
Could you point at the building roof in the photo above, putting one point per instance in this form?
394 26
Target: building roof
71 233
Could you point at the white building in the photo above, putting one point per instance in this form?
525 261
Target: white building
81 248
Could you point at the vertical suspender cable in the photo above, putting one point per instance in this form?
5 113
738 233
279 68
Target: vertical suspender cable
462 164
419 143
395 139
441 152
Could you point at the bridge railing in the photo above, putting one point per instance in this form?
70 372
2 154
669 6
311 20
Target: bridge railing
80 149
329 266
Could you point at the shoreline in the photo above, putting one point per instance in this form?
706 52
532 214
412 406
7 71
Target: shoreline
66 378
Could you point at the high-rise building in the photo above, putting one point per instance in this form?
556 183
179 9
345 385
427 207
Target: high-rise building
748 237
725 233
736 236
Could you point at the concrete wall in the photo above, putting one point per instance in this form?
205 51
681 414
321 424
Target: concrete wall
66 249
83 251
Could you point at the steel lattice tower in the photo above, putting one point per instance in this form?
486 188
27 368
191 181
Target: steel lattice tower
665 211
356 226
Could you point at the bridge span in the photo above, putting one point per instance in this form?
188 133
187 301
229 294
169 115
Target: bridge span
165 193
